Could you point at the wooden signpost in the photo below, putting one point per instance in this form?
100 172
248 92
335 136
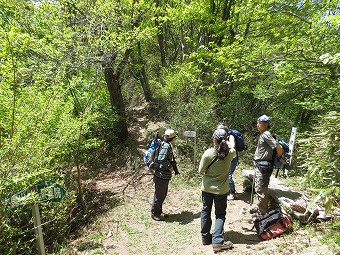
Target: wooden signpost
192 134
189 133
47 192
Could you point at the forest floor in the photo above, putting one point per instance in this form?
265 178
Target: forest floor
125 227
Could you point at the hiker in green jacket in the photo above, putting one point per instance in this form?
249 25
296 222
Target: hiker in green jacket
214 166
162 176
231 144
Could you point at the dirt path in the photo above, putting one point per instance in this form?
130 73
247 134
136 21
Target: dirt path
127 228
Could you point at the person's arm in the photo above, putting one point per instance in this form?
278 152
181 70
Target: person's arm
232 154
279 150
231 141
273 143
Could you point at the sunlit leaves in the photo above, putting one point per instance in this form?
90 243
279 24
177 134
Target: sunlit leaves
320 153
39 126
329 59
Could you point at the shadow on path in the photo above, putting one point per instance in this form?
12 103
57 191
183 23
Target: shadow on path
242 238
183 218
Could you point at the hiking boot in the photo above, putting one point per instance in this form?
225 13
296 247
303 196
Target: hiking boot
206 241
157 217
226 245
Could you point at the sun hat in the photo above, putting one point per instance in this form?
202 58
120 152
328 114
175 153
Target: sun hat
170 133
264 118
220 134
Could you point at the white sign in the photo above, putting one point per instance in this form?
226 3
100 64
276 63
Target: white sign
292 140
291 147
189 133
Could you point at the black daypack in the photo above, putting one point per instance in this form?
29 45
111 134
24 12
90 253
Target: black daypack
240 144
151 155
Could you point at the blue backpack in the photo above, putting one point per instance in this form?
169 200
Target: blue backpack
151 155
278 162
240 144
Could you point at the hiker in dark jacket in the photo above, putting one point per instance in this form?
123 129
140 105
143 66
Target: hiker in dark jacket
264 163
162 176
214 166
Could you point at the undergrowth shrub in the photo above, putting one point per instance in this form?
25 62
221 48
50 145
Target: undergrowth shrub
37 146
319 157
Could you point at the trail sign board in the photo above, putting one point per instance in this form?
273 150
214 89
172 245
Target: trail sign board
19 199
192 134
47 192
50 191
43 192
291 147
189 133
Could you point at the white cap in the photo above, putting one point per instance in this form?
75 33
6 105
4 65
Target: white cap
170 133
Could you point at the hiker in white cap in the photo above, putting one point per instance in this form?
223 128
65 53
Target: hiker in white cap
162 176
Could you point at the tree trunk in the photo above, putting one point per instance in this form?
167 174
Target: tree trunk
117 102
143 76
227 15
112 78
160 37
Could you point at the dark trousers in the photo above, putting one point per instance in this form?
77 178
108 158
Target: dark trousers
262 178
220 202
161 190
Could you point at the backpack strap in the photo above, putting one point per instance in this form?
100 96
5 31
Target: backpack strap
212 162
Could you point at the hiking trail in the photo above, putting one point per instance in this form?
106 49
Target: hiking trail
127 228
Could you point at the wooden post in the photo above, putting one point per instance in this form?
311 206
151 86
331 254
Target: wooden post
192 134
195 150
291 147
38 229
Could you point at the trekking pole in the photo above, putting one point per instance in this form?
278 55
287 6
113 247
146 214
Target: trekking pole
252 189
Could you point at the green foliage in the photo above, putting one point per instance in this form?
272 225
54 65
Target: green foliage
189 105
205 61
40 148
319 156
43 125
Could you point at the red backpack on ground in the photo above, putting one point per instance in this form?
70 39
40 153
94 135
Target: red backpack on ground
273 223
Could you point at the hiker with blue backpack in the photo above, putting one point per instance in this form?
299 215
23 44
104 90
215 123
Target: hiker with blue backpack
214 166
166 165
263 162
235 140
